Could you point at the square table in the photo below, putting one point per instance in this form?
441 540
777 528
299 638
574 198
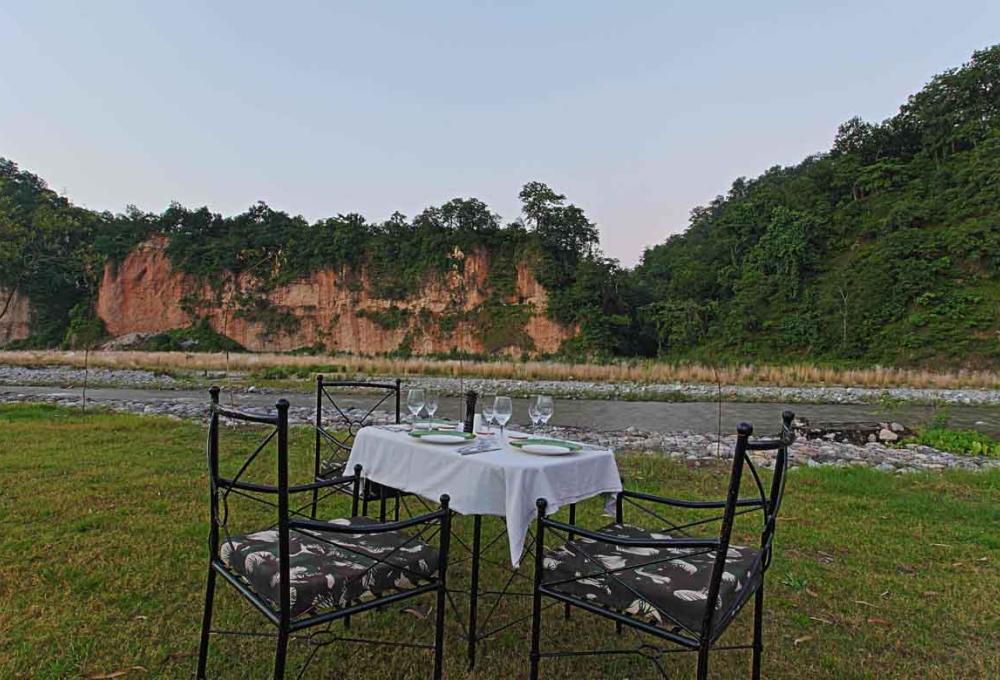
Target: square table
504 482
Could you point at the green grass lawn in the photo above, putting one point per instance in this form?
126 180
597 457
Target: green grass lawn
103 556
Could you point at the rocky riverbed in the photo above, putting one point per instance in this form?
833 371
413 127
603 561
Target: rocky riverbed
564 389
694 447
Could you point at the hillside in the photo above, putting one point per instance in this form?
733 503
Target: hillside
884 249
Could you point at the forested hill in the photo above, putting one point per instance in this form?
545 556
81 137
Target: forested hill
884 249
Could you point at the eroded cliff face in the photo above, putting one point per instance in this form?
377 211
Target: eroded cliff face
144 294
15 324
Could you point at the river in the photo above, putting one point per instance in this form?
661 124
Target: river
598 414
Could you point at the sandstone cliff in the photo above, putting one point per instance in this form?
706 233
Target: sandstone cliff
338 311
15 324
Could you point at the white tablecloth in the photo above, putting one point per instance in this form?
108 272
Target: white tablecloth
505 483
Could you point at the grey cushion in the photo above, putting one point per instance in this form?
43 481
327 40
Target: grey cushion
662 586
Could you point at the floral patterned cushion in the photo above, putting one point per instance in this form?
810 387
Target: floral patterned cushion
662 586
331 570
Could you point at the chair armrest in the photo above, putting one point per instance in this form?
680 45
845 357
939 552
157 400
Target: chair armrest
379 528
681 503
634 542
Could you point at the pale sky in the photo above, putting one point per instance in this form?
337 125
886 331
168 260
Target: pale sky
637 111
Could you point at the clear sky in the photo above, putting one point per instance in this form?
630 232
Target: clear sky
638 111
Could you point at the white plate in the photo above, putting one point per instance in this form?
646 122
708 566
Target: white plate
546 449
443 439
518 435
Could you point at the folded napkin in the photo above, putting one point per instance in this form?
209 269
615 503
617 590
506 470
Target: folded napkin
394 428
479 446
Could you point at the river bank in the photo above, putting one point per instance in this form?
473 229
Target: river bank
65 376
694 447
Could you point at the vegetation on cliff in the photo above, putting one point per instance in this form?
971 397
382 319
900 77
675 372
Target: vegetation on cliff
884 249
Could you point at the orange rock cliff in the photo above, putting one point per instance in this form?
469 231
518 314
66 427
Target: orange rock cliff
145 294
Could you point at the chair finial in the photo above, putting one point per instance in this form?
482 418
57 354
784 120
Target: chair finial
744 429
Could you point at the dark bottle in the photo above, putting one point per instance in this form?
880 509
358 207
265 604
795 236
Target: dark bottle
470 410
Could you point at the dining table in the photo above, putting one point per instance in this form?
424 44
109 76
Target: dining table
488 474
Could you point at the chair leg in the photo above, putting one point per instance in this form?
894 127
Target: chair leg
536 631
477 531
279 654
758 630
439 633
206 623
703 663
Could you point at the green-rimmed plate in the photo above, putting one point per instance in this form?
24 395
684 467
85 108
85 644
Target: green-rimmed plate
442 436
436 423
537 441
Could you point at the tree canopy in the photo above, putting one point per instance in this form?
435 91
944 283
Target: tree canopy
884 249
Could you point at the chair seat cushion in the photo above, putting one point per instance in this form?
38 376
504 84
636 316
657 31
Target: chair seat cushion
662 586
331 570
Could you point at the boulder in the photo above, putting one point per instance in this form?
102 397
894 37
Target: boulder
887 435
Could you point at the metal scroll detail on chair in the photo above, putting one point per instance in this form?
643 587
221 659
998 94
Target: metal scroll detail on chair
679 588
302 573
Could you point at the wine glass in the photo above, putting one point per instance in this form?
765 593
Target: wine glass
545 408
414 403
502 411
488 401
431 406
533 413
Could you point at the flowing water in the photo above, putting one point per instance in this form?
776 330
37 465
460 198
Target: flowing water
599 414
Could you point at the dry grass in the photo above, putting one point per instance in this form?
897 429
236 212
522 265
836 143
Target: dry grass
640 371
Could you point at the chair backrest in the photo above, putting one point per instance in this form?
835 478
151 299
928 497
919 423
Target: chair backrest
769 504
222 487
346 420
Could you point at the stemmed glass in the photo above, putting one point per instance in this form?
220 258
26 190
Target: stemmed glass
414 403
545 408
431 406
502 411
488 401
533 413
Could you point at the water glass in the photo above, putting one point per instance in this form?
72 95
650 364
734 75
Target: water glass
545 407
533 413
415 403
431 405
488 400
502 411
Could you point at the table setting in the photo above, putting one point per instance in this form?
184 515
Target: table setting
492 470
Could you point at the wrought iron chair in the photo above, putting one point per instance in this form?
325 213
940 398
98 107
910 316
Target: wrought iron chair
661 582
301 572
346 422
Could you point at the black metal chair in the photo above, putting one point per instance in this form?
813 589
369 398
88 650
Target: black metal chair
661 582
346 422
301 572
